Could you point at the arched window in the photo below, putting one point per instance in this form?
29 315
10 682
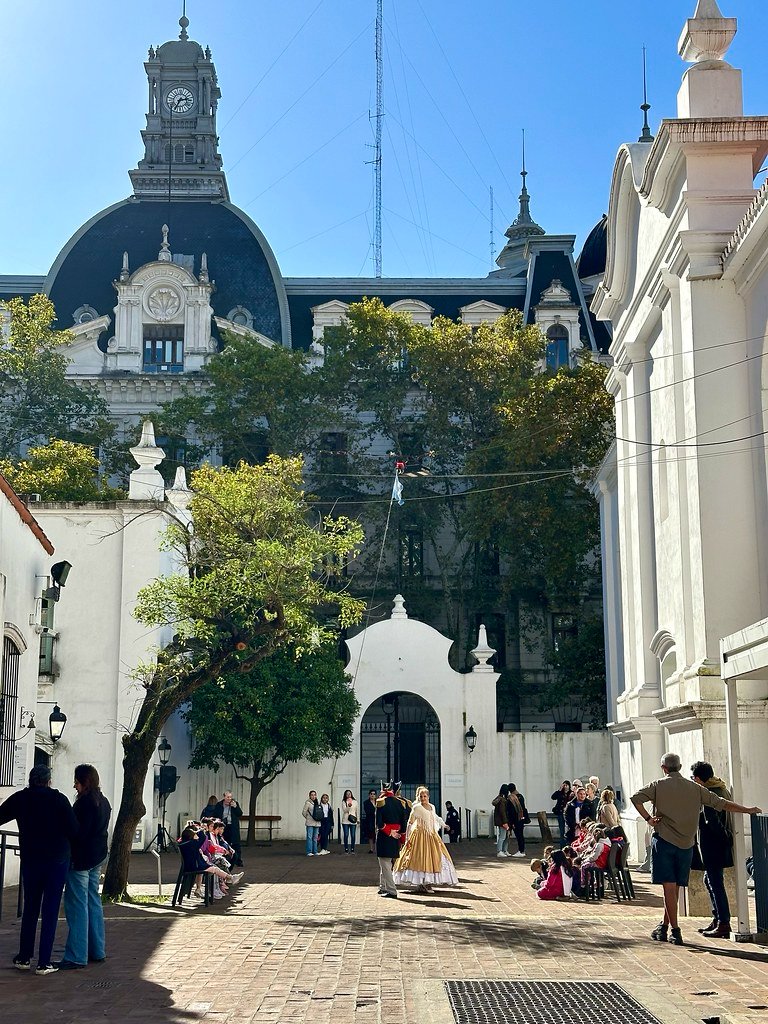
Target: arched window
557 347
189 154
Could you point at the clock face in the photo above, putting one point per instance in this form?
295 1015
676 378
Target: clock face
179 100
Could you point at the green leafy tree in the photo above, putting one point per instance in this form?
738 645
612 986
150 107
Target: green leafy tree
251 577
36 399
578 673
288 708
59 471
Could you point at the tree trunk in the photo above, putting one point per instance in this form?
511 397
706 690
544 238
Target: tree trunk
256 787
138 754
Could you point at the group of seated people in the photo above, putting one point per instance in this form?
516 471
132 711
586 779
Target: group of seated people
205 851
566 873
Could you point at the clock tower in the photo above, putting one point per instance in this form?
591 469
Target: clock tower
181 156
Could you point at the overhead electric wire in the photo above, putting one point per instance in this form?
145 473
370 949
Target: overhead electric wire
305 159
491 149
446 241
299 98
445 497
297 33
325 231
419 226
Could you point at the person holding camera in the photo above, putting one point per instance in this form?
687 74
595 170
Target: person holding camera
313 815
349 819
230 812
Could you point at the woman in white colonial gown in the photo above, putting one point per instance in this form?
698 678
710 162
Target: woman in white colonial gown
424 860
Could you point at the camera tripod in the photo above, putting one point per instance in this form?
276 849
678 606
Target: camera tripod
162 839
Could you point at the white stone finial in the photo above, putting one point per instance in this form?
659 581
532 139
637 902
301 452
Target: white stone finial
707 35
398 611
165 256
146 484
124 271
482 653
180 495
204 267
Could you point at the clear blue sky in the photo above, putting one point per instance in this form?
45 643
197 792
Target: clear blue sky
461 80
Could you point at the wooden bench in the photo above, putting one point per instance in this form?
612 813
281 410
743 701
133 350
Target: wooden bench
264 823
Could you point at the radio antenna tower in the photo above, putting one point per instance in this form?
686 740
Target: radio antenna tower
493 243
377 149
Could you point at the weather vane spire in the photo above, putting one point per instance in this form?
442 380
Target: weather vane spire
645 106
183 21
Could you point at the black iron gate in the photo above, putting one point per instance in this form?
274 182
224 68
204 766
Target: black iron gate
400 738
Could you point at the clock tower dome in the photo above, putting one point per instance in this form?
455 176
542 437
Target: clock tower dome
181 156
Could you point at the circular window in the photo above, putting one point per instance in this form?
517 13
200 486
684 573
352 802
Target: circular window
241 316
84 315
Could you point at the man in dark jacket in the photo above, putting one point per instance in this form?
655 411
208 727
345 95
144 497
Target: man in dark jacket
716 848
518 817
229 811
391 822
47 825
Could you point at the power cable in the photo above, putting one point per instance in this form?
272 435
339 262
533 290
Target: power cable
325 231
440 238
298 32
299 98
393 150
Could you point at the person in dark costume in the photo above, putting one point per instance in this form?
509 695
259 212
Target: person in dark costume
391 823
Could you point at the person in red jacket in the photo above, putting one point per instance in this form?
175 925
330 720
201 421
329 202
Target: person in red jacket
559 880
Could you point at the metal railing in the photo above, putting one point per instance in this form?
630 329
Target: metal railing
760 861
9 842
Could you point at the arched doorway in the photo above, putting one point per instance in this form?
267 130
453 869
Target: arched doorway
400 738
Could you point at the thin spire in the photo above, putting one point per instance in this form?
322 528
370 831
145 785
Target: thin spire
184 21
524 224
645 106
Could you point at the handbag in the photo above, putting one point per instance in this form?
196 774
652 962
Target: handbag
352 819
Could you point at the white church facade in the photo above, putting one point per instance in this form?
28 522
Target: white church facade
684 491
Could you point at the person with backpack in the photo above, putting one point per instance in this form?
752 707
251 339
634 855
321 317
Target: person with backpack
716 851
313 816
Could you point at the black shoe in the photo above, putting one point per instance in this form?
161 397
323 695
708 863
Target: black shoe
19 964
69 965
676 937
708 927
660 932
96 959
388 895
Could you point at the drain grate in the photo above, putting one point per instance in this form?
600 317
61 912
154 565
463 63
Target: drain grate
100 984
543 1002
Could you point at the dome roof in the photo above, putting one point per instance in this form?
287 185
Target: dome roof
240 260
591 261
180 51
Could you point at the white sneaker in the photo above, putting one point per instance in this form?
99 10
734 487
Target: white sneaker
310 855
323 853
506 853
501 855
518 854
236 878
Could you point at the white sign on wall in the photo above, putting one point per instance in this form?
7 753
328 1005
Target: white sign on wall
19 765
345 782
454 781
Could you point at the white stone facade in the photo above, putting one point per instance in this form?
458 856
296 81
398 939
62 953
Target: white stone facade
685 494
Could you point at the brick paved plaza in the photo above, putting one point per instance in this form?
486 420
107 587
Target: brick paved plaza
309 940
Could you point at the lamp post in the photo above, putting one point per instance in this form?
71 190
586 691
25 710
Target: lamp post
388 707
164 750
56 722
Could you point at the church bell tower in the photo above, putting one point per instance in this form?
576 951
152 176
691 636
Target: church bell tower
181 156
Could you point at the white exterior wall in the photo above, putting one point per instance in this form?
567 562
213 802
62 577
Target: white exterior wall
25 562
686 289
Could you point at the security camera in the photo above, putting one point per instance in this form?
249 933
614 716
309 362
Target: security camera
46 631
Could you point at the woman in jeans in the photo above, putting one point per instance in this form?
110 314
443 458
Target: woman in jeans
326 825
349 819
561 797
501 821
312 822
82 902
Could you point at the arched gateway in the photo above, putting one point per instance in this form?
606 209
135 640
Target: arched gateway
400 738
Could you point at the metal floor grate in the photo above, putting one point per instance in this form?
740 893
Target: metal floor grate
543 1002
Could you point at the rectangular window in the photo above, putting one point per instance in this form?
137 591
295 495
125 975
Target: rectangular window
333 453
163 348
252 449
411 450
411 551
9 693
563 630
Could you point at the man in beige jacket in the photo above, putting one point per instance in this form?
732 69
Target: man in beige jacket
677 803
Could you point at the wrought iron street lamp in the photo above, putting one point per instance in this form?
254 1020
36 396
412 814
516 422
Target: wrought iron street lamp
470 738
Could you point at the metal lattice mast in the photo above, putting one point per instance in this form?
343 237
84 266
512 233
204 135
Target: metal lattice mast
493 241
377 151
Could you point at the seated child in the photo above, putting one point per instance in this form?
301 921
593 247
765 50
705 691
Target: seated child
559 880
539 869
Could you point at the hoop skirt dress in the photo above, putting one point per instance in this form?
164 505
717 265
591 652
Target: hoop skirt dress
424 859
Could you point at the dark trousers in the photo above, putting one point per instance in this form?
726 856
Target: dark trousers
325 833
43 883
232 836
519 828
561 823
713 879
